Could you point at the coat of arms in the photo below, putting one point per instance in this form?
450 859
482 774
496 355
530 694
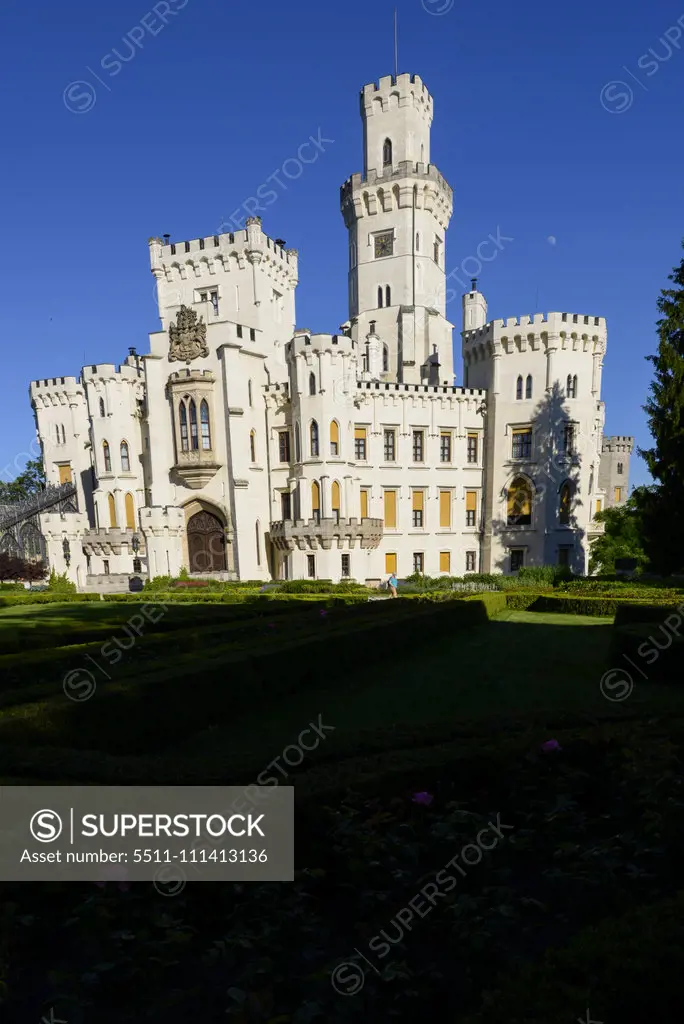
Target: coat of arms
188 336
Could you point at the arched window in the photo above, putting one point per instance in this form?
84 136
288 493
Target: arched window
388 296
385 359
194 438
335 500
519 388
379 296
519 504
334 438
298 444
183 418
112 511
417 241
107 457
129 506
257 531
204 426
528 386
102 408
252 446
125 458
312 383
316 500
313 433
571 386
387 153
565 503
249 391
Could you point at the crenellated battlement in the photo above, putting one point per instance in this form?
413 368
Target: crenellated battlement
565 326
211 246
392 175
402 90
184 376
618 443
422 389
305 342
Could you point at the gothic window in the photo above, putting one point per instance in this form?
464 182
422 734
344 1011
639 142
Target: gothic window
312 383
519 504
102 408
316 501
125 458
564 503
388 296
106 454
204 426
194 438
252 446
129 506
571 386
519 389
112 511
314 439
385 359
387 153
183 419
334 438
249 392
528 386
380 296
298 444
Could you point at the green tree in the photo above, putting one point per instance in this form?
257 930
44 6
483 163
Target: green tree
623 536
662 506
30 481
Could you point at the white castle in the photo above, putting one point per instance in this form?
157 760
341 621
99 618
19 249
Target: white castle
241 447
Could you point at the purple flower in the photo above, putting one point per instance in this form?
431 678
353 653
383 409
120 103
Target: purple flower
423 798
551 745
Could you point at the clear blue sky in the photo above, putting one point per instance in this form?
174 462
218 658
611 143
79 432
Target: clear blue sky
214 101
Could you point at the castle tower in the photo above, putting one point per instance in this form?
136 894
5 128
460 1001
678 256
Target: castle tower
397 213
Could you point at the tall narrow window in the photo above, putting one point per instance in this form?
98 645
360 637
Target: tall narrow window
102 408
568 441
194 437
385 359
112 511
125 460
390 437
379 296
445 561
252 446
388 296
387 153
312 383
618 494
284 445
335 500
107 457
129 506
471 508
418 445
472 453
316 501
204 425
620 468
311 566
314 439
346 565
183 419
298 443
417 241
257 538
470 561
391 562
571 386
249 392
599 505
418 562
519 504
360 454
334 438
364 503
391 510
564 503
445 446
519 388
418 509
445 510
528 386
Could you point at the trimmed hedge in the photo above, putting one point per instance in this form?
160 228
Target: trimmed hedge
651 612
626 969
58 598
602 606
657 648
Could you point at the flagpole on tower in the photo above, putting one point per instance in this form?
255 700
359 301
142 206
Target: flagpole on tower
396 49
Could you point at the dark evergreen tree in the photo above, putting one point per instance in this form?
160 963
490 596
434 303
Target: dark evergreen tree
663 505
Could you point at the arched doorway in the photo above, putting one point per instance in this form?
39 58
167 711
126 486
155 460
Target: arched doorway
206 543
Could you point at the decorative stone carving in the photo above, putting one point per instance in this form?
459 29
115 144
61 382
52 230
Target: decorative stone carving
188 337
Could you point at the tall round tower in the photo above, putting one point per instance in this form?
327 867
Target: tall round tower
397 213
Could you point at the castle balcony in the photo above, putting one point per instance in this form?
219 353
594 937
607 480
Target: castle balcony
326 533
111 541
196 468
595 530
